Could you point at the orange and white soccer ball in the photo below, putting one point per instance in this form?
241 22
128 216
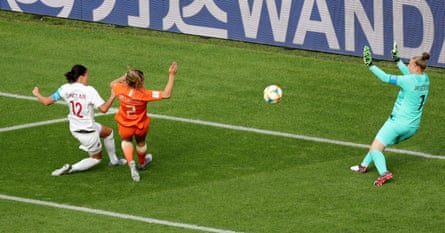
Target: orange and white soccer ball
273 94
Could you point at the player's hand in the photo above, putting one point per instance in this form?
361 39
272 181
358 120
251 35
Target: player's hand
36 91
395 52
173 68
367 57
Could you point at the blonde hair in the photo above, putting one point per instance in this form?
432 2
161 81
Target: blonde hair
134 78
421 60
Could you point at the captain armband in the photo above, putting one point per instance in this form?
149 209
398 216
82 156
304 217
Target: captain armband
56 96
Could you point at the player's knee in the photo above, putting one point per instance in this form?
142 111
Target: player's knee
125 144
110 134
377 145
97 156
106 131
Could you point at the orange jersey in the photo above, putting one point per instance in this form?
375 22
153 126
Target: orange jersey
133 105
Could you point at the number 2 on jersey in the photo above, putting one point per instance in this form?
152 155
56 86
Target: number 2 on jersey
131 110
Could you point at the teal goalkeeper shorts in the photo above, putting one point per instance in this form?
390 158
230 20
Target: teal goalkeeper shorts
392 133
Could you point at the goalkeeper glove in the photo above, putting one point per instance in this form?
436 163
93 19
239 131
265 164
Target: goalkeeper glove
367 58
395 52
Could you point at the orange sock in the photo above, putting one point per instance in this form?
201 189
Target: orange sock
141 159
141 150
127 148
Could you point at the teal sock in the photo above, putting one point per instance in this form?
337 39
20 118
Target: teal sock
379 161
367 160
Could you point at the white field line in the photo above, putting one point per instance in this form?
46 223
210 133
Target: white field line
114 214
226 126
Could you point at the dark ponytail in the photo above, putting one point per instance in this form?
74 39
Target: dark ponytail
76 71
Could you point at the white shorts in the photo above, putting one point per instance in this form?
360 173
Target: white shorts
89 141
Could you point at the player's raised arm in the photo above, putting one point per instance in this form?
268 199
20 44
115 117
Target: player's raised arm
171 80
379 73
106 106
121 79
395 56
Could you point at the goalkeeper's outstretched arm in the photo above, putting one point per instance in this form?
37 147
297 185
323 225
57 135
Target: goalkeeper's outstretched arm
382 75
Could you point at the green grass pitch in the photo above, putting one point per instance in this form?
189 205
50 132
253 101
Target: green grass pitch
213 169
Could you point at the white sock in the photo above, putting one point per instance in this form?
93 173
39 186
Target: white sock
141 149
110 147
84 164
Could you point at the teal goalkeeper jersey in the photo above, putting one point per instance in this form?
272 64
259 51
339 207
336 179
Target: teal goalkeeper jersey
412 96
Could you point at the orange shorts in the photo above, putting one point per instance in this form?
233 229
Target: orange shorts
128 132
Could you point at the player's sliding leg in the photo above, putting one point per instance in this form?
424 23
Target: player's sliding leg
84 164
62 171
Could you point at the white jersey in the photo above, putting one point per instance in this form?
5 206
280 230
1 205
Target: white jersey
81 101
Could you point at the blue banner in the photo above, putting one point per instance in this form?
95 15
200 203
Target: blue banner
341 26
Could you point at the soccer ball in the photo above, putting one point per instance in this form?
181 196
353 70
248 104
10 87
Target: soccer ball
272 94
